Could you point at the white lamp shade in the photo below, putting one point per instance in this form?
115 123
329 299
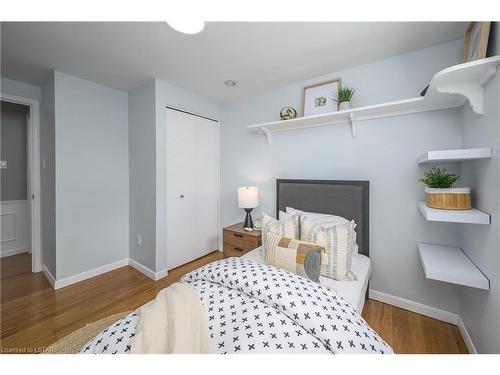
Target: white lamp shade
248 197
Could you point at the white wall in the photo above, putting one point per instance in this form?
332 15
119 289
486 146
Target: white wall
92 175
384 152
480 309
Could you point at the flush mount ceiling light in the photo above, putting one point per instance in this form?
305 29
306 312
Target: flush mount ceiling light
230 83
187 26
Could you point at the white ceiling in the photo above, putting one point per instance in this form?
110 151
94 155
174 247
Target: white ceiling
259 56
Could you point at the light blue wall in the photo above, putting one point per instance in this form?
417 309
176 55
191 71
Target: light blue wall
47 174
167 94
384 152
8 86
142 155
148 183
92 175
480 310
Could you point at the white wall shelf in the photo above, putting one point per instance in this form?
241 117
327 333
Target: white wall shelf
449 88
451 265
472 216
444 156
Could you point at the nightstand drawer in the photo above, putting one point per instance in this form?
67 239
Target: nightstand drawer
234 251
240 240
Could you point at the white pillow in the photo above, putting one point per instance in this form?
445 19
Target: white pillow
288 227
337 238
326 219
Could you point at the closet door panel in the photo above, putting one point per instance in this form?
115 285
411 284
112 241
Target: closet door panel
192 187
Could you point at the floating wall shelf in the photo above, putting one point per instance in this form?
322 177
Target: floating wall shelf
449 88
445 156
451 265
472 216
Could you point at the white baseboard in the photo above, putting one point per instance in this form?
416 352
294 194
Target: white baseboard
7 253
147 271
50 278
90 273
465 335
432 312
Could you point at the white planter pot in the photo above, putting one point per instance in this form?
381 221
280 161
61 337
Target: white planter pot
448 199
344 106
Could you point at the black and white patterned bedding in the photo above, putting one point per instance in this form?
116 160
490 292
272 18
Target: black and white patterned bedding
254 308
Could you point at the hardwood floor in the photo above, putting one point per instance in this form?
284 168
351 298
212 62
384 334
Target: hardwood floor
411 333
33 315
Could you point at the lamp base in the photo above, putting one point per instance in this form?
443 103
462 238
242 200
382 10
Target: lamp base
248 224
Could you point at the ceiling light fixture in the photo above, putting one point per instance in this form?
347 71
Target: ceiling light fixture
230 83
187 26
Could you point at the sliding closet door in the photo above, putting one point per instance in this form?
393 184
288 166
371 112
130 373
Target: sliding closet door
192 187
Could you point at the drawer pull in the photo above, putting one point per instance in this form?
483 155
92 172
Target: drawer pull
238 235
238 248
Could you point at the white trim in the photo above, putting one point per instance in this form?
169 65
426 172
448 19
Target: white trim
10 252
50 278
147 271
34 142
419 308
90 273
465 335
14 202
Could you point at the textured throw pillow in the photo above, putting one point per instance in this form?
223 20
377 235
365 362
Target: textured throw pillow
337 239
288 227
301 258
326 220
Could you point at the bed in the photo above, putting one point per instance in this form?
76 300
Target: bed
250 307
349 199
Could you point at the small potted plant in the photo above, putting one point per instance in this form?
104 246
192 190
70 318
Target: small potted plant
441 194
343 98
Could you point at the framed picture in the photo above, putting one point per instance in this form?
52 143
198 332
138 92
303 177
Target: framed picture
318 98
476 41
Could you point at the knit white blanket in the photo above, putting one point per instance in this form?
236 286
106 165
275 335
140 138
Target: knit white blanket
173 323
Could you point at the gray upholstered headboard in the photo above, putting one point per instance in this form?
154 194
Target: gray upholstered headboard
349 199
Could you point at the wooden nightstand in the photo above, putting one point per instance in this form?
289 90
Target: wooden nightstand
238 242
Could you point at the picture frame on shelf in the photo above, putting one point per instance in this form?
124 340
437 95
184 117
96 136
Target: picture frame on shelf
316 99
476 41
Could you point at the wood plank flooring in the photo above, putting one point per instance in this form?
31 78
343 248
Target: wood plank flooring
33 315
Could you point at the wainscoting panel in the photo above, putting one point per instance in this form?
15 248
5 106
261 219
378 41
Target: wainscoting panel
14 227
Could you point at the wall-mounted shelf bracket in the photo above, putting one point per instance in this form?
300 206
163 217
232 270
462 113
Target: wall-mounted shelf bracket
353 125
269 135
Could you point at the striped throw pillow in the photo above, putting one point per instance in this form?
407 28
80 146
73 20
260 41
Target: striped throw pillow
269 225
301 258
337 237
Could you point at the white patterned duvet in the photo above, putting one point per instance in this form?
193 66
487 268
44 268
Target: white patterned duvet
255 308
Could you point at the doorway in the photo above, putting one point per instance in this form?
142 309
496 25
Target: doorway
20 233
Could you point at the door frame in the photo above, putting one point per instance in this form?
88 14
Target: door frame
34 178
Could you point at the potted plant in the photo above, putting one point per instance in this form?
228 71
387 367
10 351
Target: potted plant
343 98
440 192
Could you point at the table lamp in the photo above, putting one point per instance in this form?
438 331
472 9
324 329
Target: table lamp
248 199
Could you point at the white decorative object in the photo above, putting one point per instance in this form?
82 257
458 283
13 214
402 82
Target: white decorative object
472 216
450 264
450 88
445 156
343 106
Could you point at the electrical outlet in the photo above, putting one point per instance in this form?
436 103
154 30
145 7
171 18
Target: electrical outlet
138 240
